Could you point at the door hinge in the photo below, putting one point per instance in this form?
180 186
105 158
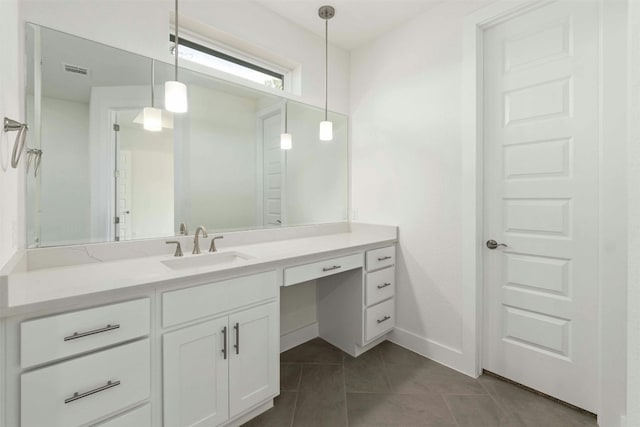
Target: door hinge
116 174
116 220
116 127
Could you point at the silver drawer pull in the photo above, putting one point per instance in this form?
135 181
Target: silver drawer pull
384 286
78 396
77 335
335 267
384 258
384 319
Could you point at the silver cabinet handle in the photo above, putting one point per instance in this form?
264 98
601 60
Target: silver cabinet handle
237 344
384 286
384 319
384 258
77 335
224 342
335 267
78 396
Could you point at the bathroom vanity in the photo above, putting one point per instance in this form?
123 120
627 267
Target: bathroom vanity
126 334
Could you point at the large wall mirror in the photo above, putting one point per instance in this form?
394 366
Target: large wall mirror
94 174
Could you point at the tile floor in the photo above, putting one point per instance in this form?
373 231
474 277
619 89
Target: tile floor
391 386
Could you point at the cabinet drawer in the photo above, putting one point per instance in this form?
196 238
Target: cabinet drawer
381 285
380 258
139 417
306 272
54 337
201 301
105 382
379 319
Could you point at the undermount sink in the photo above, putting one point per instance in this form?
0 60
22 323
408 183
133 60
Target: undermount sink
206 260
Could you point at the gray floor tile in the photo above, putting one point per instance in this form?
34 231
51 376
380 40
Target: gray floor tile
290 376
314 351
365 373
479 411
392 386
281 415
534 410
384 409
320 410
392 353
430 377
322 379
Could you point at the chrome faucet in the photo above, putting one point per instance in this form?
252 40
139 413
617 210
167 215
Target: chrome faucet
196 241
213 248
184 230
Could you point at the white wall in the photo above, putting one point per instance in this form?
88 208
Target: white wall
151 191
406 113
64 173
220 155
10 106
633 298
317 177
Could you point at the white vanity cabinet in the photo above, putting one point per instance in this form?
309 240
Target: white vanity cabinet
356 307
105 367
216 370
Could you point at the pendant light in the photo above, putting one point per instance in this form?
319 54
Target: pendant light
152 117
326 127
175 93
286 141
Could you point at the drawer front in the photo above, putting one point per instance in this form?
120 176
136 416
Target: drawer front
105 382
189 304
380 258
139 417
306 272
381 285
50 338
379 319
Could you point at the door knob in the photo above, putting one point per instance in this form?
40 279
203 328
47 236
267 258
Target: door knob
492 244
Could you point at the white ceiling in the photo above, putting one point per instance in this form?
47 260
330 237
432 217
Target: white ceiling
356 21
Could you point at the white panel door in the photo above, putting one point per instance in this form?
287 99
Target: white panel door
541 199
196 375
272 171
255 357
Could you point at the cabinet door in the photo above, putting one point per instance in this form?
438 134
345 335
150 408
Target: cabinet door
196 375
254 359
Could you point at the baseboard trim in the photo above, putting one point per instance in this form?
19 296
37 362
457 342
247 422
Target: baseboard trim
299 336
438 352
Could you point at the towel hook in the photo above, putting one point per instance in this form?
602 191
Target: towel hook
18 145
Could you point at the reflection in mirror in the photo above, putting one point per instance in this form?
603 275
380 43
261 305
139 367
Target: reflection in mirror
103 177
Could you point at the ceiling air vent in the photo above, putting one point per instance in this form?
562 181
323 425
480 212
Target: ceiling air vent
76 69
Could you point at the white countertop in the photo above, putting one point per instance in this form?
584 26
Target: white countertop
22 287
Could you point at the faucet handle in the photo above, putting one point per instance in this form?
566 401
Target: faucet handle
212 248
184 230
178 248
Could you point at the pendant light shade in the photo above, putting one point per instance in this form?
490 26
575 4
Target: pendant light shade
326 127
286 140
175 93
152 119
175 97
326 131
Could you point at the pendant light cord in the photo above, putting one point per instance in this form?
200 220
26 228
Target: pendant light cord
153 79
326 67
177 43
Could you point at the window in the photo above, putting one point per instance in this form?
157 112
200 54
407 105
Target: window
221 61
